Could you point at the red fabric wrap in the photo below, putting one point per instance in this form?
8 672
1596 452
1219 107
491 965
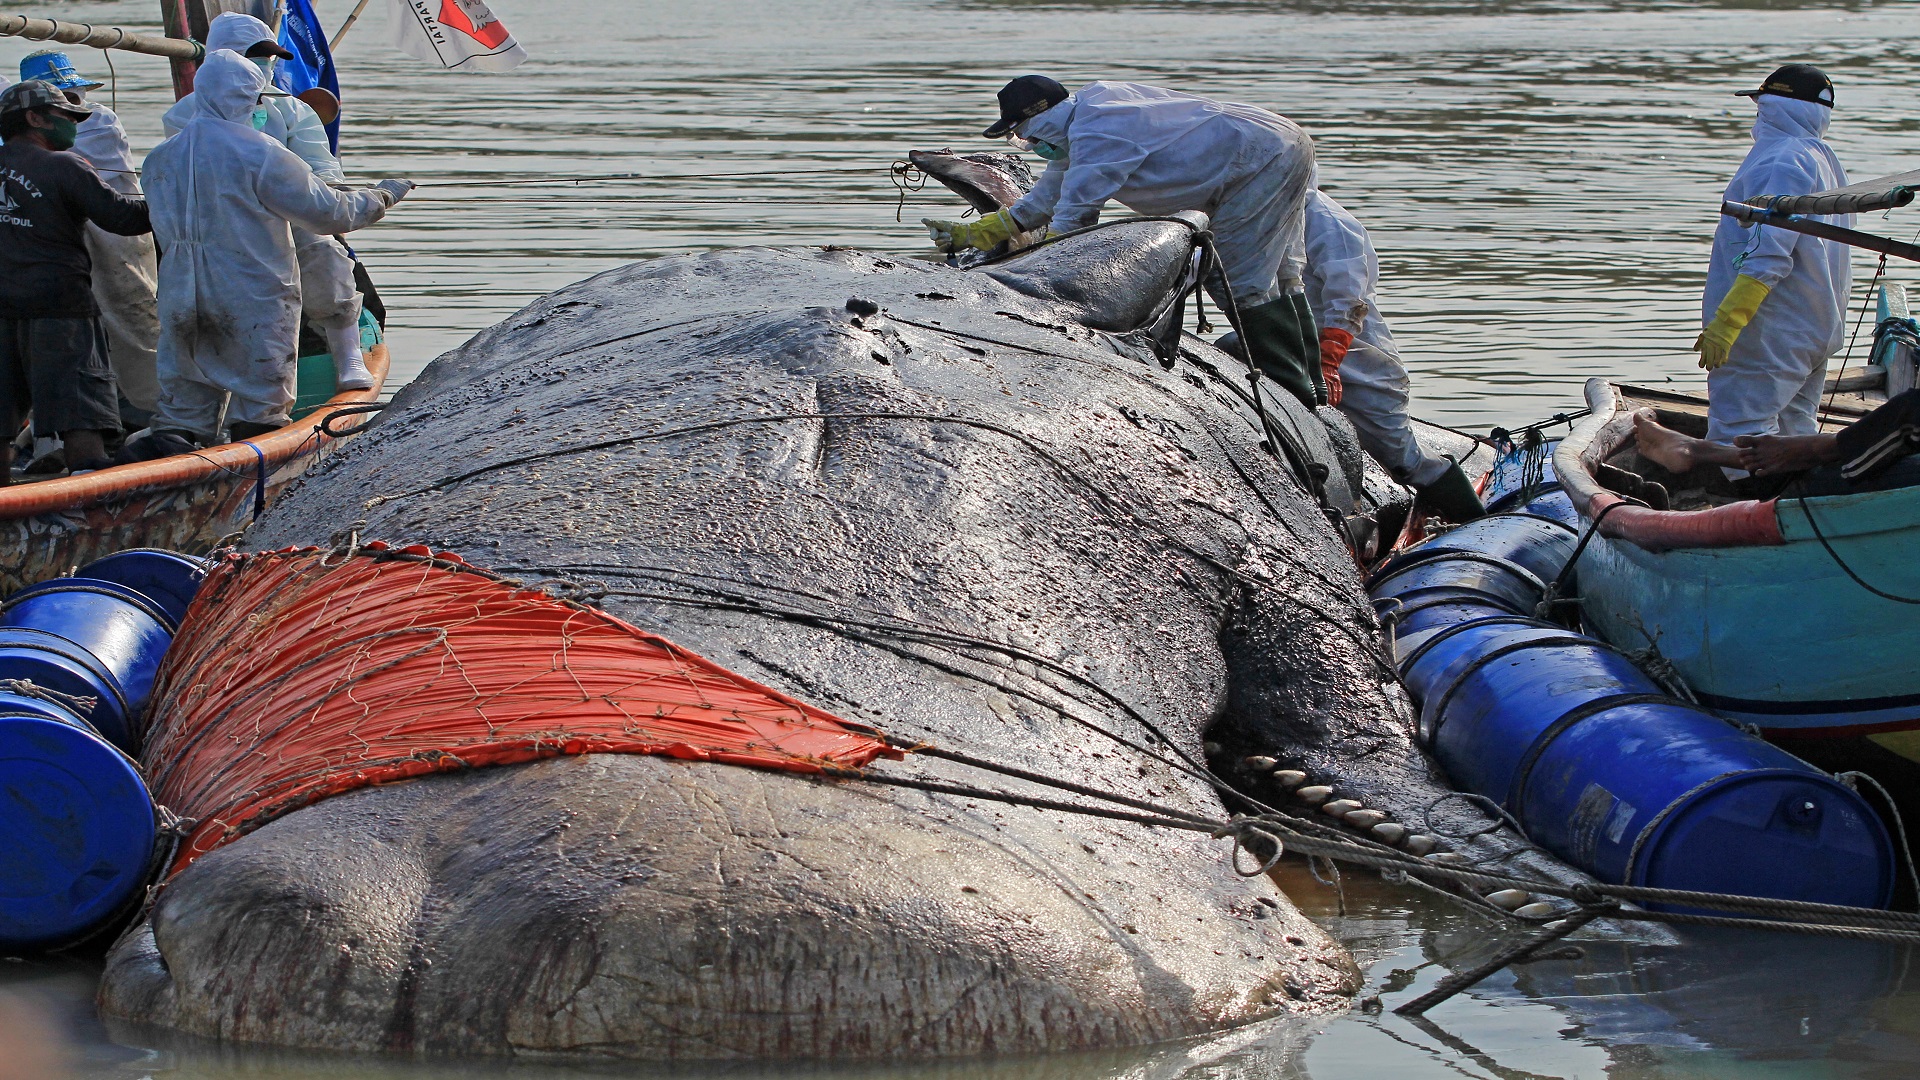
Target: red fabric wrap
1740 524
302 674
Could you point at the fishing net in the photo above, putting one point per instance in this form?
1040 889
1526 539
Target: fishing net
301 674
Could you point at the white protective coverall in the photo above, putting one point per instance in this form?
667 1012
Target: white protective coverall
124 280
1774 373
1159 152
222 196
327 295
1342 274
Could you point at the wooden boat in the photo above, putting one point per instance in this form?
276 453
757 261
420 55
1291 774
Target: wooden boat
187 502
1794 614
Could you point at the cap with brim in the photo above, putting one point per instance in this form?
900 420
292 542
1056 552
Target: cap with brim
53 66
1023 99
1801 82
40 94
267 48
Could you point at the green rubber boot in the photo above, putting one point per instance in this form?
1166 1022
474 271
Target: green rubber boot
1451 497
1285 347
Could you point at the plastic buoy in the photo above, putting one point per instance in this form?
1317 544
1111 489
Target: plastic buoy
80 827
168 578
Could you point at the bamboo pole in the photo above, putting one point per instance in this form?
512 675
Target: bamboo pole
348 25
99 37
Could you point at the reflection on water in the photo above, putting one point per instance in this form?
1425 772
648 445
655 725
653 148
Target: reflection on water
1725 1005
1541 177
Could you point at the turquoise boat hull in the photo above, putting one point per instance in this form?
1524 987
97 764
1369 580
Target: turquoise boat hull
1776 635
1780 637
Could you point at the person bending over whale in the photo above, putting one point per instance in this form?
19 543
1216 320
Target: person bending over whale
1160 152
1365 378
1868 446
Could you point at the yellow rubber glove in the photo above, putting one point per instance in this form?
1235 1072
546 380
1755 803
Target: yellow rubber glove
1731 317
989 232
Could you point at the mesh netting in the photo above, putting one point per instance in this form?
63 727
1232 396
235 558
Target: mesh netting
301 674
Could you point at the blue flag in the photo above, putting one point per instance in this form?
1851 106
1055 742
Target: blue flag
312 65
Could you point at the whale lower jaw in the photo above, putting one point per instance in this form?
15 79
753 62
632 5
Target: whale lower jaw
734 914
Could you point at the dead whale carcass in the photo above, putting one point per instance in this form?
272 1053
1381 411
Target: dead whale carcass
971 508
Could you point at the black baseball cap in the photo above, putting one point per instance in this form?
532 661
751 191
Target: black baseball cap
1023 99
1801 82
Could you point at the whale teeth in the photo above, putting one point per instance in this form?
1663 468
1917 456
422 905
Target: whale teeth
1389 832
1365 819
1340 807
1539 909
1446 858
1258 763
1316 794
1418 844
1289 778
1509 899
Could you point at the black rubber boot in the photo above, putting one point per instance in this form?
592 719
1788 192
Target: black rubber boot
241 430
1451 497
1285 347
155 445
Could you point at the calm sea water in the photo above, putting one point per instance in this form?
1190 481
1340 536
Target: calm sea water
1541 179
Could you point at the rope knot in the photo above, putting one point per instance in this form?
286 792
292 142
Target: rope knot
1245 832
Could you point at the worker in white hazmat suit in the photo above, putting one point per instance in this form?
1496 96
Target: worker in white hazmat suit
224 199
1775 304
328 297
124 279
1362 369
1160 152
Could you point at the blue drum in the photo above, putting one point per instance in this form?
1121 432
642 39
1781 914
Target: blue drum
80 827
126 632
167 578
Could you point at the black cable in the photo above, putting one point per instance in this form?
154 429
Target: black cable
1842 563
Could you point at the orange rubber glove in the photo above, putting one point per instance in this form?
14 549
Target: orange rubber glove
1334 344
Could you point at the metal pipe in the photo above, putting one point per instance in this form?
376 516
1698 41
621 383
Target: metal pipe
99 37
1755 215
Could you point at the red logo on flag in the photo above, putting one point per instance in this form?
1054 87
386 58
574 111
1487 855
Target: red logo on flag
474 19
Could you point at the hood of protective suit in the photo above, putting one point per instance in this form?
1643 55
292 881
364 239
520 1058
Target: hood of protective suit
237 32
1050 126
228 86
1779 117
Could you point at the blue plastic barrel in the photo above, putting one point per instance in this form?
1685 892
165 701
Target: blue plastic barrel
1487 695
1669 796
1414 626
80 827
168 578
1540 545
55 663
124 630
1606 771
1509 471
1547 501
1461 574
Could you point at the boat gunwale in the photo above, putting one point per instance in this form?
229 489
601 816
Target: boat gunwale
266 453
1748 523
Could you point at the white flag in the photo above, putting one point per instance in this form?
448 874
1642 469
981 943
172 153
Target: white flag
462 35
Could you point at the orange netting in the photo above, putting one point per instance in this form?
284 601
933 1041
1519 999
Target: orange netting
302 674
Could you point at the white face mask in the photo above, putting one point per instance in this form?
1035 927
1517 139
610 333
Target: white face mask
265 64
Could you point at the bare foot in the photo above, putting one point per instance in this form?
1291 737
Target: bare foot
1673 451
1770 455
